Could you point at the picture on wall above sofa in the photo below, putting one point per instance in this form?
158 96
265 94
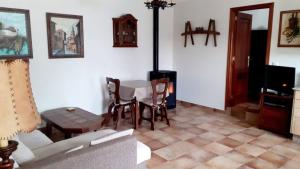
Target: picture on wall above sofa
65 36
289 29
15 34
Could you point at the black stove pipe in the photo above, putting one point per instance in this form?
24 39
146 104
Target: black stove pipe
155 38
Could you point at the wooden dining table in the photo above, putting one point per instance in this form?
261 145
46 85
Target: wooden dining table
140 89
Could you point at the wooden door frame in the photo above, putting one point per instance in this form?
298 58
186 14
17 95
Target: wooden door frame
231 39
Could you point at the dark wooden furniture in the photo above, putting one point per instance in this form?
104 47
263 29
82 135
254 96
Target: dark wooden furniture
125 31
229 100
200 30
275 113
157 104
5 153
70 122
258 51
117 106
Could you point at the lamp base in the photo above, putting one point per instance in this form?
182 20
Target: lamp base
5 152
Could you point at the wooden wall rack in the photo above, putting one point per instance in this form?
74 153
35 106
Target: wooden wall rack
200 30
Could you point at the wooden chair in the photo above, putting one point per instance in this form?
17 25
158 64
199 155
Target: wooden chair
157 104
117 105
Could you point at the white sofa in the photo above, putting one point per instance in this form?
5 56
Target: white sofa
43 148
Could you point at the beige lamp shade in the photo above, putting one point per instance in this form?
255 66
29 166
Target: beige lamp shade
18 111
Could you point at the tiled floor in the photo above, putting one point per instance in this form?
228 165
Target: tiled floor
200 138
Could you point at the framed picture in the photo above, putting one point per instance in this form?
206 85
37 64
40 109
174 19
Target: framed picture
289 29
15 34
65 36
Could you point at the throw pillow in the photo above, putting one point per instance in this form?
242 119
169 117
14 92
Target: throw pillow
112 137
74 149
23 154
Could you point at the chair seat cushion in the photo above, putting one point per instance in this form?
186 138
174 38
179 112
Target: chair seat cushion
143 153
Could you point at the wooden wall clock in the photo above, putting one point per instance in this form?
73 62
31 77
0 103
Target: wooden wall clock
125 31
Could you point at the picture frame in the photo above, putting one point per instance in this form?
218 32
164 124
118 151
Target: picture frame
15 34
65 36
289 29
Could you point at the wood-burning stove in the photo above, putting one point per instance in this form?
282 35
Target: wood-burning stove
172 76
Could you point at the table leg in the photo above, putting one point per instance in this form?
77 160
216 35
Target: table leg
137 115
107 118
68 135
49 129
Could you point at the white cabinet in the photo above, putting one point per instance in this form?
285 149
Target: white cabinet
295 124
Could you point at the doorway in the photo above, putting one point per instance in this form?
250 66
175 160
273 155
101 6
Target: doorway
248 53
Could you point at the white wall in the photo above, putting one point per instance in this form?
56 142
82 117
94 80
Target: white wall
80 82
260 18
202 69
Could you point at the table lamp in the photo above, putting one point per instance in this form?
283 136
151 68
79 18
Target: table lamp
18 111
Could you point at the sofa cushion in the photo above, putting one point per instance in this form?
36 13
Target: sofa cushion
143 153
35 139
112 136
62 146
23 154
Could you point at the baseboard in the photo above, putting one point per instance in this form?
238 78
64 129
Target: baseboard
201 106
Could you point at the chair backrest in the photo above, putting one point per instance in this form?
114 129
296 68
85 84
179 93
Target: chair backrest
113 86
159 89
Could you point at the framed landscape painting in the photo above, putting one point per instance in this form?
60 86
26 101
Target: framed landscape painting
289 29
15 34
65 36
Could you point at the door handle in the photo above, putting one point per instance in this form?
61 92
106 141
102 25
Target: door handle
248 61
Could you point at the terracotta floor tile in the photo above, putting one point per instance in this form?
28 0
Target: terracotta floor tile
143 139
196 130
199 141
155 145
181 163
212 136
202 166
217 148
254 132
245 167
156 134
267 141
223 163
285 151
168 140
291 145
201 155
261 164
244 138
208 126
273 158
183 135
181 119
155 161
292 165
183 125
224 131
238 157
230 142
250 150
176 150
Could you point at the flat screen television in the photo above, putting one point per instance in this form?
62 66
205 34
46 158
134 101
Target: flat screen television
279 79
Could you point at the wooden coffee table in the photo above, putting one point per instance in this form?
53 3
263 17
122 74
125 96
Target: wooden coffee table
76 121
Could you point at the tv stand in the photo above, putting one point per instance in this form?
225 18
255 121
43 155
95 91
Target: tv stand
275 113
